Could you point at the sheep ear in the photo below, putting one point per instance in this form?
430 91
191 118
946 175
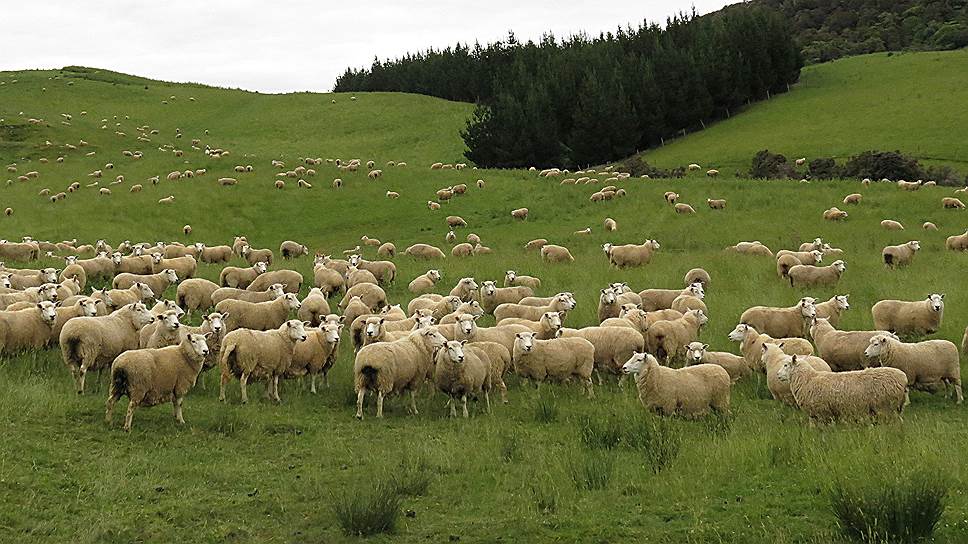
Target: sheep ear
462 342
206 335
159 317
705 346
342 318
306 323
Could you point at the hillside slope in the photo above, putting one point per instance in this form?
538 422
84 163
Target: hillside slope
911 102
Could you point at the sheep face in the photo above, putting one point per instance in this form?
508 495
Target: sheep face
841 266
296 329
510 275
292 302
937 302
173 306
466 322
116 258
198 343
552 320
454 303
878 346
373 326
619 288
48 291
455 351
277 290
48 311
635 364
216 321
914 245
5 280
841 301
199 246
565 299
654 244
817 255
424 321
697 290
695 351
331 332
785 370
142 316
156 258
144 291
169 320
431 338
88 307
355 258
606 247
260 267
807 307
739 333
170 275
70 259
468 284
608 297
49 275
524 341
488 288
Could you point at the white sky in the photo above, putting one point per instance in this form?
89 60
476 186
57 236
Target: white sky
285 45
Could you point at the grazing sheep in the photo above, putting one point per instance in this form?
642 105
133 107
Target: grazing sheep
853 198
462 250
257 354
927 365
628 255
613 346
958 242
314 308
689 392
520 213
712 173
535 244
835 214
455 221
843 350
772 360
813 257
513 279
609 225
696 275
240 278
260 316
291 250
671 197
559 359
751 248
195 294
751 345
92 343
813 276
833 309
929 226
460 371
735 365
791 322
370 294
667 339
682 209
387 250
889 224
901 255
290 280
316 355
149 377
716 204
952 203
858 395
394 367
424 251
551 253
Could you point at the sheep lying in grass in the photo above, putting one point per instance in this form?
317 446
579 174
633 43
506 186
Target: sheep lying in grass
551 253
751 248
782 322
493 296
751 345
387 249
461 371
562 302
858 395
28 328
629 255
910 318
92 343
254 354
901 255
927 365
833 309
843 350
394 367
735 365
613 346
465 290
425 282
260 316
689 392
802 275
424 251
149 377
513 279
316 355
559 359
958 242
667 339
773 357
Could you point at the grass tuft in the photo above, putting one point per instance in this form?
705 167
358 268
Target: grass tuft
368 512
905 510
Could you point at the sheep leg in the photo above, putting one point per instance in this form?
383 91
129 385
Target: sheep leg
588 388
109 408
453 407
129 416
413 402
221 387
487 401
177 404
275 390
243 380
504 391
82 372
463 400
958 394
379 404
312 384
359 403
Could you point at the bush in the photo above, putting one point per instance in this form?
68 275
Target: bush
892 165
768 165
943 175
823 168
905 510
637 166
362 512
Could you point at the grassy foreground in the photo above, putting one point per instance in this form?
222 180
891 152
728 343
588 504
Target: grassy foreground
548 466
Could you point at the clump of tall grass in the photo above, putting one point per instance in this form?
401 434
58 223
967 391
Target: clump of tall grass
366 512
658 439
903 510
592 470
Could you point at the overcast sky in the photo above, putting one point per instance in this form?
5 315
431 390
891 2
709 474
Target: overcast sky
285 45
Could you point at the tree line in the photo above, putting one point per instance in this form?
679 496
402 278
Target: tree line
583 100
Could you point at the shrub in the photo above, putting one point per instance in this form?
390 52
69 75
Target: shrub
892 165
904 510
823 168
365 512
637 166
768 165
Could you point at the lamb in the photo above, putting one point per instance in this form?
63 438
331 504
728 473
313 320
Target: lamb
370 294
184 266
952 203
520 213
272 292
853 198
696 275
735 365
910 318
559 359
329 281
425 282
958 242
394 367
240 278
314 308
683 209
290 250
812 276
666 339
259 316
92 343
290 280
901 255
833 309
609 225
835 214
28 328
493 296
253 256
843 350
537 243
890 224
751 248
513 279
157 282
454 221
690 392
716 204
316 355
139 292
465 290
462 250
772 359
613 346
791 322
149 377
927 364
460 371
260 355
195 294
562 302
163 332
551 253
424 251
859 395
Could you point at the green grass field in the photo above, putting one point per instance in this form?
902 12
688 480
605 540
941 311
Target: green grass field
539 469
910 102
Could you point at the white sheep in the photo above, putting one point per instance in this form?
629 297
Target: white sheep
394 367
613 346
833 309
735 365
790 322
911 318
843 350
253 354
316 355
425 282
559 359
692 391
551 253
240 278
461 371
900 255
259 316
927 364
492 296
751 344
513 279
667 339
628 255
958 242
28 328
773 358
803 275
